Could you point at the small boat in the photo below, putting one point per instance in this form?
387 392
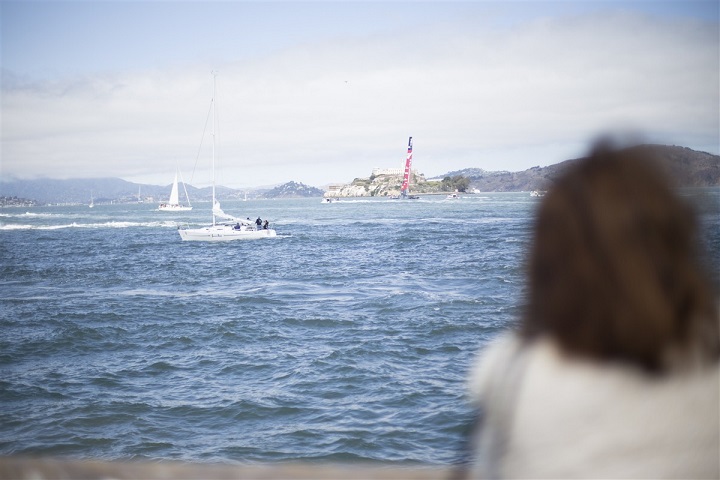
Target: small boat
173 205
329 200
453 196
224 227
537 193
92 203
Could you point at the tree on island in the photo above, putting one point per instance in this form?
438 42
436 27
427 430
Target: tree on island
455 183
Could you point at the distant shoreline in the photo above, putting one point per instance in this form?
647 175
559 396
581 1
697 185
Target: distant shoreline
687 167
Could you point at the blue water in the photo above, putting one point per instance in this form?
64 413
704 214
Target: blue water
347 338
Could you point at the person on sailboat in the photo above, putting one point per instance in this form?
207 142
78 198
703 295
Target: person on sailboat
258 222
265 225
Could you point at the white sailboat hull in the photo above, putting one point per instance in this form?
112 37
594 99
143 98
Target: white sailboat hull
224 233
173 208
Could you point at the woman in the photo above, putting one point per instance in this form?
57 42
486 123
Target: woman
613 372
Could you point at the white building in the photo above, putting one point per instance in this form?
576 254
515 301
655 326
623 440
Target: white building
332 189
391 171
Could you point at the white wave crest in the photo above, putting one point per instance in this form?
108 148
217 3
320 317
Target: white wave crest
163 224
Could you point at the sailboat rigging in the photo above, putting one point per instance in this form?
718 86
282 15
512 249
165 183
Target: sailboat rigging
173 205
224 227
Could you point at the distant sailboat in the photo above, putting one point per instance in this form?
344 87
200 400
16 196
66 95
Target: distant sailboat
406 177
92 203
173 205
228 227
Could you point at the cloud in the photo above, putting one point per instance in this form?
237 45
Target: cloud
472 94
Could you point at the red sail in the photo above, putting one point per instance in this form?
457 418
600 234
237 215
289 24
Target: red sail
408 164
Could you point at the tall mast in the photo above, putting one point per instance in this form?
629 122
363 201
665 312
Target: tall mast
214 118
408 164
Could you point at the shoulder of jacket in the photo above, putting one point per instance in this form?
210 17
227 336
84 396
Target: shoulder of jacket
490 364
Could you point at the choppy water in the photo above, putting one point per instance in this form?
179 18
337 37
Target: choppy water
346 338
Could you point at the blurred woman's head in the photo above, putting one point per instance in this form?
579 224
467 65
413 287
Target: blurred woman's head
614 271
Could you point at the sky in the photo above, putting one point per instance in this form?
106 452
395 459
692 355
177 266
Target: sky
323 92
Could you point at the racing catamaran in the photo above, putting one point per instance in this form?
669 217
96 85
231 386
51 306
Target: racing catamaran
406 178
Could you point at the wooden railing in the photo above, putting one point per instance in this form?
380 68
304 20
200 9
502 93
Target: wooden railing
42 468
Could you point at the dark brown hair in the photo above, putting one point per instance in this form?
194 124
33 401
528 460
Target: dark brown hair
614 271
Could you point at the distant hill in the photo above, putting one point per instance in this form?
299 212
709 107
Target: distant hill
469 173
47 190
687 168
105 190
293 190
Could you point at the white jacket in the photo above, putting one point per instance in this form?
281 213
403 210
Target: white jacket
547 415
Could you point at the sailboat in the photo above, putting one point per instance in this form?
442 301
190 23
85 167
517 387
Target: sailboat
406 177
173 205
92 203
224 227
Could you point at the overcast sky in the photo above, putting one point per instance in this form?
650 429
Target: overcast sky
322 92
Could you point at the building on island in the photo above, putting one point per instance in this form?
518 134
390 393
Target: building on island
390 171
332 190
